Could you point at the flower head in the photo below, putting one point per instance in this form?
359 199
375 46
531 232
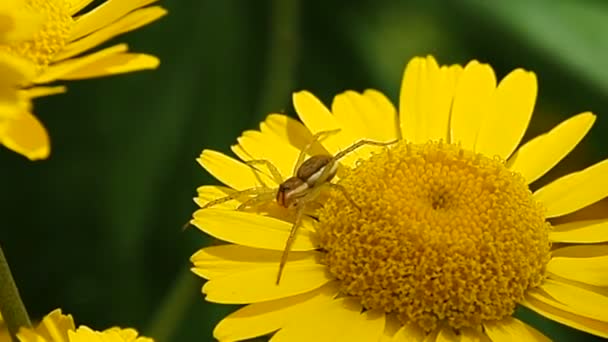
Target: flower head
438 235
57 327
43 41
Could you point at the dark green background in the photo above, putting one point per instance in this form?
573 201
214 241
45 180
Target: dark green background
96 229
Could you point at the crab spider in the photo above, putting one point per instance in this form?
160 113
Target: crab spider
310 177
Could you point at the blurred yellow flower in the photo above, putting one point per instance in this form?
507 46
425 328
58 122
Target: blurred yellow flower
445 240
57 327
43 41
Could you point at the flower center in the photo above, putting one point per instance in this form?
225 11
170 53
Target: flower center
443 235
51 37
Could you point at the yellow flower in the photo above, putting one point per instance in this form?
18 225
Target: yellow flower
43 41
447 238
57 327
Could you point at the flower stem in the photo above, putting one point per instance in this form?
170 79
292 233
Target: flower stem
11 306
281 59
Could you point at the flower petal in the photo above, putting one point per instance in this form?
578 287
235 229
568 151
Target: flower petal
129 22
410 333
208 193
426 97
542 153
77 5
502 128
473 100
366 326
590 231
593 270
231 172
44 91
56 71
318 118
259 284
104 14
385 126
361 115
114 64
217 261
581 251
253 230
291 131
262 146
328 324
574 191
583 302
512 329
557 312
26 136
266 317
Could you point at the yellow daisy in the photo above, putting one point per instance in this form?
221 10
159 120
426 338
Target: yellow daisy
48 41
445 239
57 327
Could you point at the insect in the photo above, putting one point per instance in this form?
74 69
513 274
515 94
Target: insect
310 177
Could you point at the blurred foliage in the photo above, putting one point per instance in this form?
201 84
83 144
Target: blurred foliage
96 228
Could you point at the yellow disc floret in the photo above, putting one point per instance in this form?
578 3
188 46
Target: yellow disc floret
443 235
52 36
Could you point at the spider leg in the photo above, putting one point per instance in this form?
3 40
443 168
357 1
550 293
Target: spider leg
343 191
274 172
260 198
328 169
235 195
301 209
321 135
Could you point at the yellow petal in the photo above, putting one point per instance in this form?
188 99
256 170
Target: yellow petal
104 14
15 70
465 335
259 284
366 326
590 231
581 251
502 129
409 333
574 191
253 230
426 97
266 317
58 70
385 125
77 5
262 146
363 117
318 118
290 131
212 262
327 325
473 100
542 153
554 311
114 64
593 270
231 172
512 329
26 136
208 193
129 22
582 302
54 327
44 91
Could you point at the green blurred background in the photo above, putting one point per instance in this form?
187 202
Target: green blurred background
96 229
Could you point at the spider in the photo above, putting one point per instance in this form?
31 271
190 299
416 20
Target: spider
310 177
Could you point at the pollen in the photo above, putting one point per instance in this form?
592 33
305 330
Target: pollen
443 235
52 36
